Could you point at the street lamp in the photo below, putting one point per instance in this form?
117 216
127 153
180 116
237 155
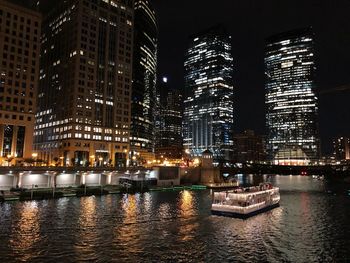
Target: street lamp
61 158
34 156
133 160
125 158
196 162
9 159
92 157
100 159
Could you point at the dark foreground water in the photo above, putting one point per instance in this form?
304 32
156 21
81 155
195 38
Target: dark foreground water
312 225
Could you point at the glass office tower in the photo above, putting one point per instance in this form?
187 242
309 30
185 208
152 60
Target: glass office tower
144 82
169 123
208 113
291 100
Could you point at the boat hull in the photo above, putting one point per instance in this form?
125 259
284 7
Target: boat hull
244 216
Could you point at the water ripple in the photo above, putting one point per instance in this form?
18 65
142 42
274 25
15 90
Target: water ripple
309 226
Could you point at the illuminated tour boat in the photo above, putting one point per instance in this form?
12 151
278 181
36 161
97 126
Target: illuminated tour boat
245 202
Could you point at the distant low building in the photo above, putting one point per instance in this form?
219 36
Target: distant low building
207 159
167 176
327 160
341 146
249 147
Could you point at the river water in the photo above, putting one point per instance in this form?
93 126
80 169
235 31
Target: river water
311 225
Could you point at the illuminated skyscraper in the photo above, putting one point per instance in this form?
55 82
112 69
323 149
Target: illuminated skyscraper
84 94
169 135
291 101
144 81
208 114
249 147
19 68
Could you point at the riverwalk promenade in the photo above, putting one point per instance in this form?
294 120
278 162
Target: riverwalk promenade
55 193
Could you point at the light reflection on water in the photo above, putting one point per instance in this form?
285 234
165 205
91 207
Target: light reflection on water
186 203
311 225
127 233
87 229
26 231
187 209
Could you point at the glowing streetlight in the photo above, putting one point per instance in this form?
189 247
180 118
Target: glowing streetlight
9 159
92 157
61 158
196 162
34 156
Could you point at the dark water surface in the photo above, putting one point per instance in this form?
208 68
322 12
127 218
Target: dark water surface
311 225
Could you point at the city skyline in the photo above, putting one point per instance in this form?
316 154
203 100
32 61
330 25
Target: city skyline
332 37
174 131
249 102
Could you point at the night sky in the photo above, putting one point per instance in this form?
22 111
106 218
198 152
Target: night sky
250 22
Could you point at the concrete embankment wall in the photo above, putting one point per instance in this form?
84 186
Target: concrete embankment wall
200 175
7 181
48 180
166 176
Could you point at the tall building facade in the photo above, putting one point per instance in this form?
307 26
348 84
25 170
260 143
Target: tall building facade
144 82
208 104
249 147
19 68
84 99
291 101
169 135
31 4
341 147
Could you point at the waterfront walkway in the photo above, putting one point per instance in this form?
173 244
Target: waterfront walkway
52 193
68 169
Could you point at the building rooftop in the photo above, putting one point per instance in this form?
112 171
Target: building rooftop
289 34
